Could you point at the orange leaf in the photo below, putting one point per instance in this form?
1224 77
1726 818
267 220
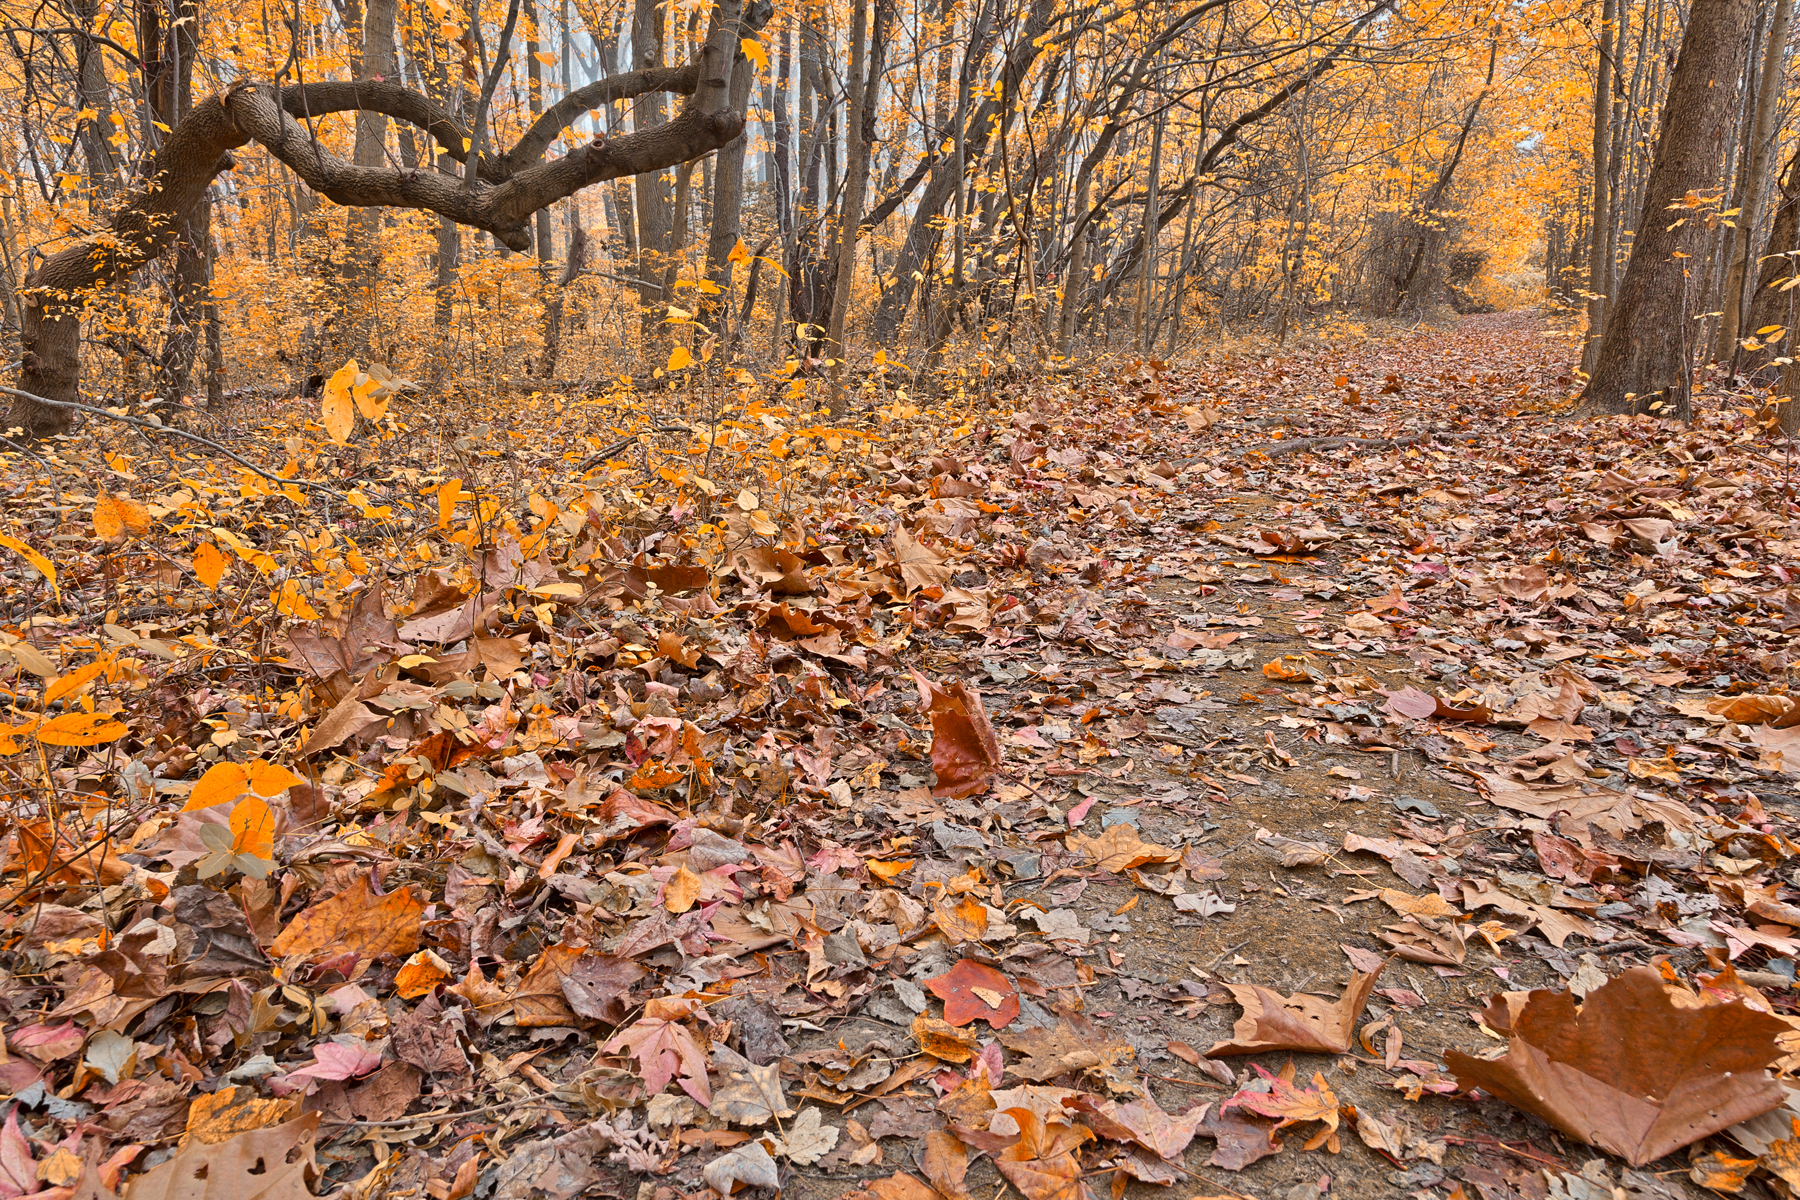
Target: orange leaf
74 681
965 754
229 780
253 828
355 921
422 972
681 891
81 729
119 516
209 565
974 991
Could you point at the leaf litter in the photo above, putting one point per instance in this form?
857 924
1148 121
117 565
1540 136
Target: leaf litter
503 828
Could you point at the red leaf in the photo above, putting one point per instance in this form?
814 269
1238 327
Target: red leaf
961 988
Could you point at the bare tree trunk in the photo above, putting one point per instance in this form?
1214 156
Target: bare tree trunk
655 197
727 213
358 307
1598 247
1147 274
850 211
1757 178
1644 356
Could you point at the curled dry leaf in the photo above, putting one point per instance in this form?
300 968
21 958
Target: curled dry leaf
965 753
1301 1022
1639 1070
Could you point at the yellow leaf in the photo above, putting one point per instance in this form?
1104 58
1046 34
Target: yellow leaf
10 736
545 57
119 516
747 500
680 359
336 408
74 681
81 729
253 828
754 51
209 565
371 398
740 253
290 601
226 781
447 497
43 566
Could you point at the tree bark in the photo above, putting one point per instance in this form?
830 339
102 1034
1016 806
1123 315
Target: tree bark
1598 272
1773 303
1757 180
1644 354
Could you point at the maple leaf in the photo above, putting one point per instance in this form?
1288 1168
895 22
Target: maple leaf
1042 1163
974 991
1291 1104
664 1049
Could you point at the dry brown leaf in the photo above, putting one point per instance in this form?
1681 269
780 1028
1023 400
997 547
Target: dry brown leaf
1042 1163
965 753
1302 1022
355 921
1119 848
1633 1072
264 1164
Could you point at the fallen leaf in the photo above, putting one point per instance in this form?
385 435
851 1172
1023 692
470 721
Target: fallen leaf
1042 1163
1639 1070
749 1164
806 1141
957 989
1119 848
354 921
965 753
1305 1023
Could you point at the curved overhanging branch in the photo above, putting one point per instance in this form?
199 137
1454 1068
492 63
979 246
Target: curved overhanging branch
506 192
504 210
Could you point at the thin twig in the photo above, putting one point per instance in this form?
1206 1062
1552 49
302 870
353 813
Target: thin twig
154 427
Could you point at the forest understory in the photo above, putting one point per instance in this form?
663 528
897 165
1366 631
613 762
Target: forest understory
1141 779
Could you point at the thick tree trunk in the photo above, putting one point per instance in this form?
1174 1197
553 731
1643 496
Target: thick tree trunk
1644 355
